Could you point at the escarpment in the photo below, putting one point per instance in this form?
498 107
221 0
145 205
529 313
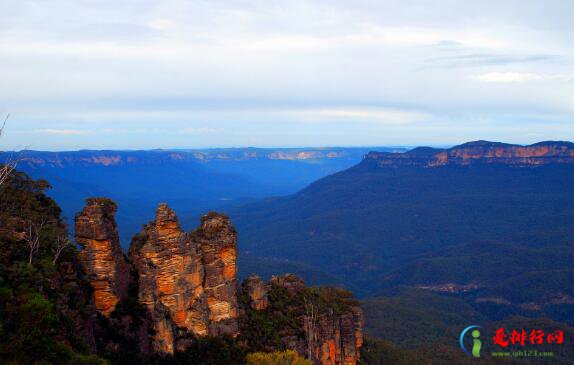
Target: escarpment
101 255
186 283
479 152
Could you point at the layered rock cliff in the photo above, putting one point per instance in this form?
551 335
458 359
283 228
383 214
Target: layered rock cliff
322 324
101 255
217 241
187 281
542 153
338 337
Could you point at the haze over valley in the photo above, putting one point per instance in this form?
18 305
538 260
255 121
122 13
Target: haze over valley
192 181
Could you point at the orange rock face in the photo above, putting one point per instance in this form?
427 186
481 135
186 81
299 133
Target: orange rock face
537 154
339 337
101 254
218 243
186 280
542 153
170 278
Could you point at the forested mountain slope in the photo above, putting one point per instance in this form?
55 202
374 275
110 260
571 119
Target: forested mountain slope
489 221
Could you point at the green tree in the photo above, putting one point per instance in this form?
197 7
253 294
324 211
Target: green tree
41 304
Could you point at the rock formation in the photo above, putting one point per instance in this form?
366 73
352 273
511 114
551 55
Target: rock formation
291 282
218 245
333 332
187 284
485 152
339 337
257 290
101 255
186 280
170 277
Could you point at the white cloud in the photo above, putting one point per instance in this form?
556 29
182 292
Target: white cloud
63 132
203 130
518 77
364 115
162 24
507 77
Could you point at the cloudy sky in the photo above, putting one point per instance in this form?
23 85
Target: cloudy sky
185 74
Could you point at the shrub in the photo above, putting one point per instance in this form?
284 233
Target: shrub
276 358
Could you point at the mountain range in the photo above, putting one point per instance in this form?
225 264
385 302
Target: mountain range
484 224
191 181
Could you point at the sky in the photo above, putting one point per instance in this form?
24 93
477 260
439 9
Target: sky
127 74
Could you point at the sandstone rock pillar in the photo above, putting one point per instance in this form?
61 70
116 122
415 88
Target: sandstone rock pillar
101 255
219 256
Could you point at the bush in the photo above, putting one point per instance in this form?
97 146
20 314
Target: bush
277 358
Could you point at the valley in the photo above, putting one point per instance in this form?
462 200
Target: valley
192 181
428 239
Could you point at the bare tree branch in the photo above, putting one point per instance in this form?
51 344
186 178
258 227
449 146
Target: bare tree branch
61 243
33 238
8 166
4 124
310 323
6 170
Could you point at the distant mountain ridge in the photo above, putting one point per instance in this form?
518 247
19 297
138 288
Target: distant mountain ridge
190 180
479 152
37 159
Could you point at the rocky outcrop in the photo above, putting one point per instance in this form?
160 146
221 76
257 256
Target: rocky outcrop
187 288
101 255
170 279
257 291
218 245
291 282
332 322
338 337
484 152
187 281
